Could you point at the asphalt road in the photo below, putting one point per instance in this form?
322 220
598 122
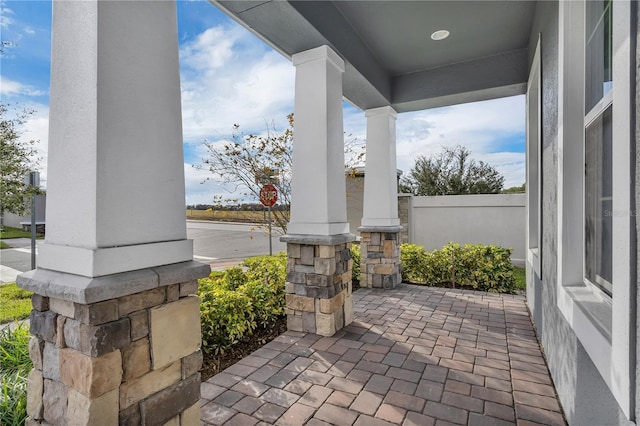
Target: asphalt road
225 241
213 242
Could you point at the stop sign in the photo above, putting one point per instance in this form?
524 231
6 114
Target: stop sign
268 195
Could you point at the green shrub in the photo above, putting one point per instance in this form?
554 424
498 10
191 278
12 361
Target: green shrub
14 369
439 265
235 302
268 302
13 399
355 256
270 268
413 259
14 349
486 268
233 278
266 276
226 316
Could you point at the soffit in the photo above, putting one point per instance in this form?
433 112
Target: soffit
390 57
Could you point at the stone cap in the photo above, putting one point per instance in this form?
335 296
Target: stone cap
85 290
324 240
396 228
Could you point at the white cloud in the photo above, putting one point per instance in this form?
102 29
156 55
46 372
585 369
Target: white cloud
35 128
198 189
5 20
230 77
210 50
29 30
482 127
510 164
12 88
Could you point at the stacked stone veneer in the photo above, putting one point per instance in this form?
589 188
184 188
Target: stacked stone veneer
130 360
318 287
380 258
405 202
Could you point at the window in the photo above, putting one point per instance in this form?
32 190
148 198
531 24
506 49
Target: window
596 214
598 201
598 58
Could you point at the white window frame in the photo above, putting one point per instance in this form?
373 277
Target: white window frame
603 324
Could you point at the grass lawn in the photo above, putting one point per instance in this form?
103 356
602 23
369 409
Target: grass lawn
3 245
15 303
9 232
520 276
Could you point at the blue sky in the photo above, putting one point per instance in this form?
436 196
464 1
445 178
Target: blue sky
230 76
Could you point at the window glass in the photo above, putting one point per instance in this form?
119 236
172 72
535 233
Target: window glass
598 74
598 201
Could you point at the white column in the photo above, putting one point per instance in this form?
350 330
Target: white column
318 194
115 184
381 179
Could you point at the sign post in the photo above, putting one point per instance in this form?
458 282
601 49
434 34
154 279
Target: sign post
34 182
268 197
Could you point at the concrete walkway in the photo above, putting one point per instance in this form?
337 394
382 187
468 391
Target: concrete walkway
413 356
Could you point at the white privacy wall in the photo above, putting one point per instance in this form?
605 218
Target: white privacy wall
13 220
477 219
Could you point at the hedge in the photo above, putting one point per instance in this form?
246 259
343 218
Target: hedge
237 301
355 269
481 267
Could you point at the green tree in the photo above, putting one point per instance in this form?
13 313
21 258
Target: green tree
452 172
515 190
247 162
17 159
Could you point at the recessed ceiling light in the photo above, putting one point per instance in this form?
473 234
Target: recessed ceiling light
439 35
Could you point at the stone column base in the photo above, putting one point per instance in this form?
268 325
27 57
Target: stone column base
380 257
120 349
318 287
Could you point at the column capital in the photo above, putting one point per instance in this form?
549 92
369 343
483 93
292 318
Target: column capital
385 110
323 52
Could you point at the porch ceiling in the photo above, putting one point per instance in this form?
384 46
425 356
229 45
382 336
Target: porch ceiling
390 57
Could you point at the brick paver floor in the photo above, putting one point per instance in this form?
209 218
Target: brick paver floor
413 356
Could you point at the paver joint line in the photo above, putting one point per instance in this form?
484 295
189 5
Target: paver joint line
413 355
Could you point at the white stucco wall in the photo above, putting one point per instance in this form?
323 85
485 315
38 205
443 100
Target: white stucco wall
477 219
13 220
435 221
355 201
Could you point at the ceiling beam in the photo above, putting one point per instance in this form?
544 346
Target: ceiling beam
491 77
330 22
